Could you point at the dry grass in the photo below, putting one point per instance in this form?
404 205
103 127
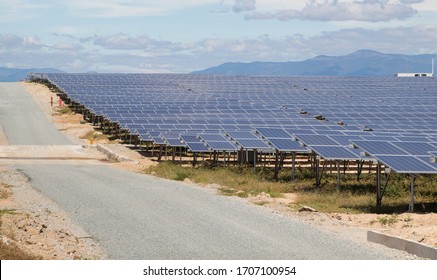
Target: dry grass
94 135
353 197
12 252
64 110
235 180
5 191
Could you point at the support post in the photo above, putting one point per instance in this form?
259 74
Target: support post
293 165
378 185
360 169
411 205
276 165
316 163
160 153
254 161
338 177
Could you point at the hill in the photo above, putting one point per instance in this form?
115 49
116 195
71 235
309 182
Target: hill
359 63
15 74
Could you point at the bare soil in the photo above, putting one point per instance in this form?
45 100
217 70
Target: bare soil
45 231
421 228
36 226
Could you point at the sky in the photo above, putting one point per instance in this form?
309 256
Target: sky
180 36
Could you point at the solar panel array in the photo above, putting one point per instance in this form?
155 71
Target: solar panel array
281 140
325 114
402 157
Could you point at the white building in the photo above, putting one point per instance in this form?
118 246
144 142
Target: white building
417 74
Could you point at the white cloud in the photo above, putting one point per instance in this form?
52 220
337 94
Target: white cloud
65 46
343 10
16 10
143 43
125 53
15 42
412 1
128 8
243 6
404 40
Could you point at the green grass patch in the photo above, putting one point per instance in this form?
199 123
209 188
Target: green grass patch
64 110
386 220
238 178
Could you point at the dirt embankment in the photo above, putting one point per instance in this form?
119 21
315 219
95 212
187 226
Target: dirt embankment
421 228
37 226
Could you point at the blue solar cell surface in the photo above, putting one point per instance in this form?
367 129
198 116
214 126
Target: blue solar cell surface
212 137
318 139
287 145
415 148
222 146
194 144
273 132
197 147
252 144
175 142
242 135
407 164
335 153
380 148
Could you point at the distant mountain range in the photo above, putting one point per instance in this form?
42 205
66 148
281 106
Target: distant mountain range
14 75
360 63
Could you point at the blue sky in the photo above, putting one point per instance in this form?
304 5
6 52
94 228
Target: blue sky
183 36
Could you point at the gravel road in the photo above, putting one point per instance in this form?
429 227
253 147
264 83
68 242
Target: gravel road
136 216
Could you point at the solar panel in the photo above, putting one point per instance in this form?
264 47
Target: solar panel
212 137
197 147
175 142
241 135
335 153
317 139
222 146
194 144
414 148
407 164
379 148
253 144
273 132
155 137
344 140
287 145
190 138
